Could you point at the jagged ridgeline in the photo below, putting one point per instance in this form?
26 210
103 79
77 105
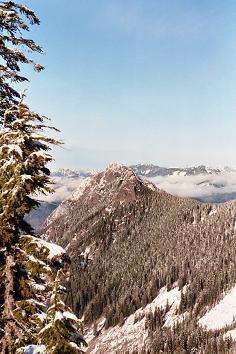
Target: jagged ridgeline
133 245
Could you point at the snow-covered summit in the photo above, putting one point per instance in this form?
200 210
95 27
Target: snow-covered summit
117 183
150 170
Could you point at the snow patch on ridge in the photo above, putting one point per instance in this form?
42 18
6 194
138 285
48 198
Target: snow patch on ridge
221 315
213 212
150 185
53 249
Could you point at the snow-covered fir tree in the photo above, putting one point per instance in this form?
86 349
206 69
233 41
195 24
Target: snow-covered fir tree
23 159
62 330
28 265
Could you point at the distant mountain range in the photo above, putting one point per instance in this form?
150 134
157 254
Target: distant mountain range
206 184
151 272
149 170
68 173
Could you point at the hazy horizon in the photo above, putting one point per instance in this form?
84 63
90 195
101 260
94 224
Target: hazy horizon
55 167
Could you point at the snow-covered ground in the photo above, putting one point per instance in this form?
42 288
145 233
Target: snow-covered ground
133 333
222 314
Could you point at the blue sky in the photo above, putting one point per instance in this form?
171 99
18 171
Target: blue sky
138 80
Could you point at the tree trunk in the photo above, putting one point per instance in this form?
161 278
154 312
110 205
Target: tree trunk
11 330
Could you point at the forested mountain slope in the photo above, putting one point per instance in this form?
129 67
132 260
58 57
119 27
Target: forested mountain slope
134 245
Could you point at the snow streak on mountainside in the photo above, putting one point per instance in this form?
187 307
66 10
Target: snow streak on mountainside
130 243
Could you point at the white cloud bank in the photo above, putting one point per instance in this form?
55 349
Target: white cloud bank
63 187
207 188
200 186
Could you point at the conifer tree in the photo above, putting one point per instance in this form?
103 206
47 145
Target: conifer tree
26 262
15 19
23 158
62 327
28 265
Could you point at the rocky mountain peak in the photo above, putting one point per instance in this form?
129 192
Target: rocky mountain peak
116 188
116 185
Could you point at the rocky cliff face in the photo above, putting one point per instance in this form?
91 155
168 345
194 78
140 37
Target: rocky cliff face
143 261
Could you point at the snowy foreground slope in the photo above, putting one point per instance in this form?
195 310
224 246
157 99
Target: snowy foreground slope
133 334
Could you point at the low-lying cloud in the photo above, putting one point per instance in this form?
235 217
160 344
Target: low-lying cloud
215 188
206 188
63 187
